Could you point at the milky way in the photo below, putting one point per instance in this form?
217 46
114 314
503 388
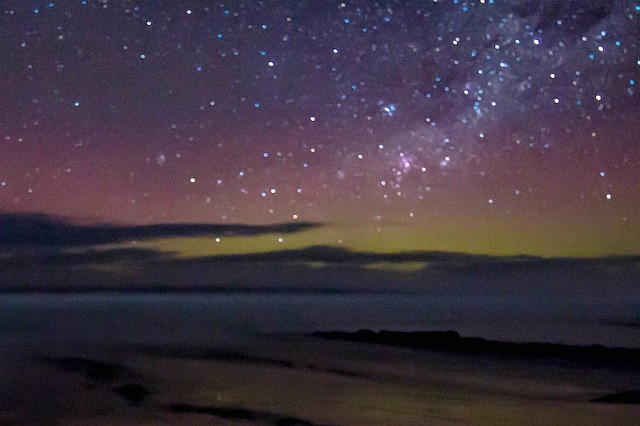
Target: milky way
482 126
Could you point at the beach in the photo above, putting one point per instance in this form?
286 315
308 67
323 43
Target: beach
193 366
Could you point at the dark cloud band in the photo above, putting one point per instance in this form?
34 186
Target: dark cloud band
42 230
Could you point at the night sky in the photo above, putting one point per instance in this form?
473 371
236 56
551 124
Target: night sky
500 127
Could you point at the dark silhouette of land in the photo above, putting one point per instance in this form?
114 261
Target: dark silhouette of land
453 342
625 397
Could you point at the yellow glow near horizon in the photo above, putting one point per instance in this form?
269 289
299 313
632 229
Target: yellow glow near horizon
508 239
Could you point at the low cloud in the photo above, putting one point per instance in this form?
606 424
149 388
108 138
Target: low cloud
34 230
323 269
47 254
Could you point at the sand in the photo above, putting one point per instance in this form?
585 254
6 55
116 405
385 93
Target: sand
300 380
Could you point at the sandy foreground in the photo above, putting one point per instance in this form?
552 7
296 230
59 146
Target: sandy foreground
298 380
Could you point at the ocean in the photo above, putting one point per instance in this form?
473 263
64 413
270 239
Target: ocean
215 318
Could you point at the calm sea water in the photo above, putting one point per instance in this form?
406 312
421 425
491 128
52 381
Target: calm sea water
208 318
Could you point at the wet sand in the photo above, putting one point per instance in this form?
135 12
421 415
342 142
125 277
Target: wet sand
295 379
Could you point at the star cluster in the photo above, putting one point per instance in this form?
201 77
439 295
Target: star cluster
483 121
